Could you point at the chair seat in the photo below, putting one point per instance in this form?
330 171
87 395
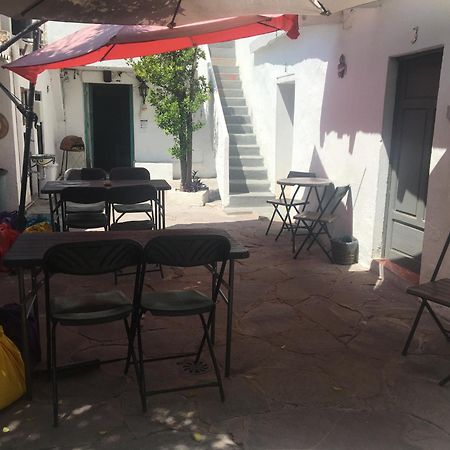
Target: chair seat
281 202
83 208
86 309
133 225
86 220
176 303
137 207
314 215
436 291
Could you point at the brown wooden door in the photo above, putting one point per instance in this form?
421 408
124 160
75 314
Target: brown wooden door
417 90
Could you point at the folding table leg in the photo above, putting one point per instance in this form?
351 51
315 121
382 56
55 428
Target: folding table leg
413 328
229 317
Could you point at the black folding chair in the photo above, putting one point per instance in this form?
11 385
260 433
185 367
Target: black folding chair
81 217
92 173
435 291
131 199
316 222
128 195
129 173
132 205
184 250
282 206
89 308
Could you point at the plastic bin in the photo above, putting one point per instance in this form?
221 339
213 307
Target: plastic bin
344 250
51 172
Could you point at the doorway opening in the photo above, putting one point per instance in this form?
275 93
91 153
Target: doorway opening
284 128
409 160
110 125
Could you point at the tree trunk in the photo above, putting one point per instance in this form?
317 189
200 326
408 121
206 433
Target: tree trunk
189 134
183 168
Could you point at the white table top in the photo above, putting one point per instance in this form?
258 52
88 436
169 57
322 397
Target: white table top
304 181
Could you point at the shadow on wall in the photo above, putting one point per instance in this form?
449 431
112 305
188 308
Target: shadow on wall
343 226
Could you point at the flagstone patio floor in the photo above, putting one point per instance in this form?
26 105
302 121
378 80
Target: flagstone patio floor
316 363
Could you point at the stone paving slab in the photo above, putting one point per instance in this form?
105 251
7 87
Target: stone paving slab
316 363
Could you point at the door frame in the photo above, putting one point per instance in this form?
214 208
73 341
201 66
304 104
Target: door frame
89 120
390 114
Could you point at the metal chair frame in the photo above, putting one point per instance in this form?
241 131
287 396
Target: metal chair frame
126 195
324 217
88 258
288 204
84 195
438 292
185 251
132 205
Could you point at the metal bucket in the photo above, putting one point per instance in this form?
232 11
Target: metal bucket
344 250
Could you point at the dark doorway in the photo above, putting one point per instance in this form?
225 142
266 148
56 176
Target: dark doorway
415 109
111 126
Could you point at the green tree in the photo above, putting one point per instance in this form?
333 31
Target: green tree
176 92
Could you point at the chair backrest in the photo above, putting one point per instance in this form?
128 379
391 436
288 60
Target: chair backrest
129 173
83 194
93 173
335 199
187 250
295 174
72 174
93 257
129 195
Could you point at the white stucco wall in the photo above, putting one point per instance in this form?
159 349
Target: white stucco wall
340 127
151 144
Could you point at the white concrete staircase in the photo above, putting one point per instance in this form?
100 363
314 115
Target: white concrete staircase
249 185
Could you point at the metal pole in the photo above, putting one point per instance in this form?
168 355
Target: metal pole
21 221
25 31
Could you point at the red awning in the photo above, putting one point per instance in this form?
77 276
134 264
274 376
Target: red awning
104 42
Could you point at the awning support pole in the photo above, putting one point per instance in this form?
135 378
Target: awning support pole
21 221
19 105
18 36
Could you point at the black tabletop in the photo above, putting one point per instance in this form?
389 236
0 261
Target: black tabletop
55 187
29 248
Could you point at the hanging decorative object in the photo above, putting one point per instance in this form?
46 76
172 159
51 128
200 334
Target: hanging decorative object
342 67
143 89
4 126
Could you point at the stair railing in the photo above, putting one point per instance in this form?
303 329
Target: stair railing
220 137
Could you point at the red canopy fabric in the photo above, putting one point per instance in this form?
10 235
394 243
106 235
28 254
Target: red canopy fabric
104 42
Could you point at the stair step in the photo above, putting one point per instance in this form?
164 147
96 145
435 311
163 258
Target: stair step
244 150
239 128
222 52
233 101
226 44
220 77
235 111
248 138
237 119
243 186
223 62
246 161
226 69
248 173
231 93
229 84
257 199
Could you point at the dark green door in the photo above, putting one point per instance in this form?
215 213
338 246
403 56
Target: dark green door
415 109
111 132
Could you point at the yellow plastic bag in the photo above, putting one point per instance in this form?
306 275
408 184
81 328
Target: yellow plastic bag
12 371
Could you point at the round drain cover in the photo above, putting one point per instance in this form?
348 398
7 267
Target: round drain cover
194 368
